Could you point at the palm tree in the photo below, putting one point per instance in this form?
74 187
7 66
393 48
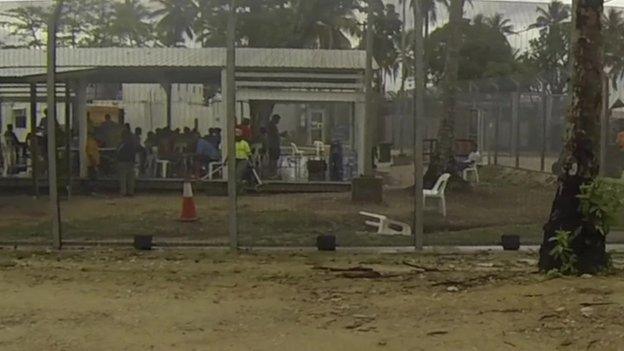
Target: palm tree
429 9
572 241
325 24
130 25
556 13
443 157
176 20
613 31
500 24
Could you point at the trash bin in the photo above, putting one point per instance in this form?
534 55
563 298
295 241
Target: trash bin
316 170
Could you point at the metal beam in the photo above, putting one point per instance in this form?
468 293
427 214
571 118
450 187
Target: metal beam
419 100
51 130
368 90
230 113
604 126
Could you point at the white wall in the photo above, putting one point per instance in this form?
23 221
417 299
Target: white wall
145 107
7 117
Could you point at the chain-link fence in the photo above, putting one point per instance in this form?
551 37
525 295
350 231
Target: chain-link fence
143 139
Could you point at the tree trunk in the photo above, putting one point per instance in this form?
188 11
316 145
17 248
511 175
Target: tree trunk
443 156
580 156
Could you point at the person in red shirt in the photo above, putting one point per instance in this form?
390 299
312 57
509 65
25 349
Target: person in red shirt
245 129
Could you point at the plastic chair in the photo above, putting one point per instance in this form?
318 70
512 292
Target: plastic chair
387 226
161 165
438 192
472 170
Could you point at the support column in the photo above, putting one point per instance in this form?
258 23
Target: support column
68 139
367 151
34 140
55 209
419 111
80 115
360 134
544 115
167 88
230 115
499 115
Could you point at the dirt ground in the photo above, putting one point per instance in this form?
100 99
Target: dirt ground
213 300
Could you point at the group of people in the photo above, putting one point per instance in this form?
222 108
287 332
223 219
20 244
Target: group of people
115 147
186 149
266 145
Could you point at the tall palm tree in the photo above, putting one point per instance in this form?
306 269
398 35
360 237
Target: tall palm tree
500 24
325 24
613 31
443 157
429 9
130 25
556 13
175 21
568 228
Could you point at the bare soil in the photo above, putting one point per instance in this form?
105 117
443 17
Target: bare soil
212 300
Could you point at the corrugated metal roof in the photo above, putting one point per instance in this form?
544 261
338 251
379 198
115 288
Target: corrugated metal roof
27 61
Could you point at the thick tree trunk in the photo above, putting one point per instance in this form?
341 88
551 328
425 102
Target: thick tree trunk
443 158
580 160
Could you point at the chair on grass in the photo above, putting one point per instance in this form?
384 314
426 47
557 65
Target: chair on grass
387 226
437 192
472 170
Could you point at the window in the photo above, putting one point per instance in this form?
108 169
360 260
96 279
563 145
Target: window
19 118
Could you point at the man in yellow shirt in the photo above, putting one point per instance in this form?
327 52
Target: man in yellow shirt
243 153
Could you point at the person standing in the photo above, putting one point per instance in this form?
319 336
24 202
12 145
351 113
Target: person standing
93 159
243 153
274 144
9 149
126 155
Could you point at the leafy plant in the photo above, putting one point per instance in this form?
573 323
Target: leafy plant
563 251
601 201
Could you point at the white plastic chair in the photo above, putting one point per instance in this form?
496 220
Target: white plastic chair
472 170
387 226
162 166
437 192
320 148
295 150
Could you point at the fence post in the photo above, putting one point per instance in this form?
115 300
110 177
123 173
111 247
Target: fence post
230 108
419 98
515 124
544 105
604 126
497 132
51 127
68 141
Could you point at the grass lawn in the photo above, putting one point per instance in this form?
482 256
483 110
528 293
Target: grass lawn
506 202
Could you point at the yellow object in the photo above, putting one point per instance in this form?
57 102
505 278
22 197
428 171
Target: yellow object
243 151
93 152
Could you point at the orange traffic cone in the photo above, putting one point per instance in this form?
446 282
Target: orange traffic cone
189 211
